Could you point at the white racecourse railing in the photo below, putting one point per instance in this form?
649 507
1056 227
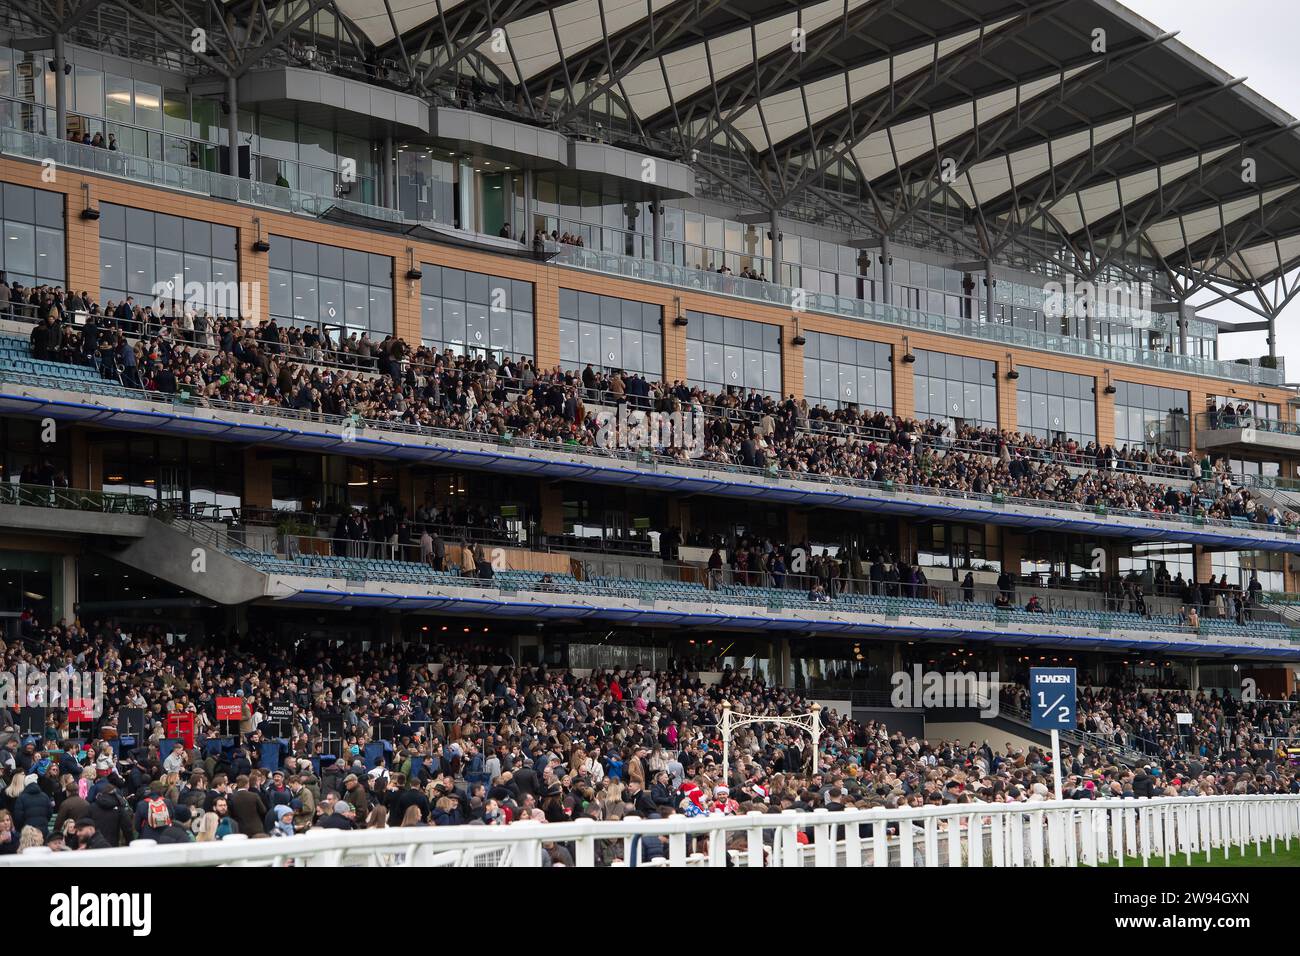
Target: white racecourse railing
1050 833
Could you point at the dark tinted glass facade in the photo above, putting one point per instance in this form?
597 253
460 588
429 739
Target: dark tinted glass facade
344 291
611 333
725 353
469 312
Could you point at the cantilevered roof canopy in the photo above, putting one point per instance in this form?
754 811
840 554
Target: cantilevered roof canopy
1076 117
1075 122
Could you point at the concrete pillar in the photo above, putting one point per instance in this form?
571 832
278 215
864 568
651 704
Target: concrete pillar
508 216
232 123
886 276
906 541
792 366
1013 547
552 505
796 526
237 619
257 480
529 229
785 663
775 228
387 179
904 383
79 473
1105 406
1202 563
657 230
546 320
65 593
1008 410
60 88
990 300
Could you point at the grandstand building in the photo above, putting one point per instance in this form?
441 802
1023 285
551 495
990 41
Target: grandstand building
997 217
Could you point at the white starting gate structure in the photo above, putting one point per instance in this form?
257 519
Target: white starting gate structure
810 722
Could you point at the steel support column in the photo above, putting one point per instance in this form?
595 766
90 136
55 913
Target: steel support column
528 228
388 194
775 226
232 124
60 87
989 298
886 271
657 230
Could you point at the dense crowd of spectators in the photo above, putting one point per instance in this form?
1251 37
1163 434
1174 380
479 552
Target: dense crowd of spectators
476 738
222 360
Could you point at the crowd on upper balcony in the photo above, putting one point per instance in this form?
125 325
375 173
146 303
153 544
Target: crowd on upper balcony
1146 720
97 140
214 359
473 737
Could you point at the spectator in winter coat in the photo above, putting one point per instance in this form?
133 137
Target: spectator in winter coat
112 819
33 808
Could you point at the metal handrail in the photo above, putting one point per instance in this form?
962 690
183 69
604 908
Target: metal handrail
77 499
988 445
643 457
141 169
802 300
1223 419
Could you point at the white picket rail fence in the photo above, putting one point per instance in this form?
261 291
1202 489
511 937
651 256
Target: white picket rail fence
1050 833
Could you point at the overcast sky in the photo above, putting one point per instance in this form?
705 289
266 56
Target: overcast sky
1255 39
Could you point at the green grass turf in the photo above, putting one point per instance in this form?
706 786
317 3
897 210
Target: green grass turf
1282 857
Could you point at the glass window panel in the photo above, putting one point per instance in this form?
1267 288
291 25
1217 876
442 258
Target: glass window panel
148 105
453 321
477 288
49 254
732 332
198 269
381 311
170 268
330 298
431 319
499 329
477 327
632 353
117 99
281 291
568 340
694 361
589 343
611 347
356 266
329 261
523 333
305 301
651 349
305 257
356 297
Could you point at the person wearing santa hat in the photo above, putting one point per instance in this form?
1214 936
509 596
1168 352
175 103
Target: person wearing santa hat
722 802
691 791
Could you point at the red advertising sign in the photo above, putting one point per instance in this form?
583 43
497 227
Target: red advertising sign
81 710
230 708
181 727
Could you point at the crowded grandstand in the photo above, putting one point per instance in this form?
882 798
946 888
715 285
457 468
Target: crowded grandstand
581 413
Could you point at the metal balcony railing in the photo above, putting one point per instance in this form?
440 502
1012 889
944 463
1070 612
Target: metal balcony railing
153 172
803 300
1226 420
